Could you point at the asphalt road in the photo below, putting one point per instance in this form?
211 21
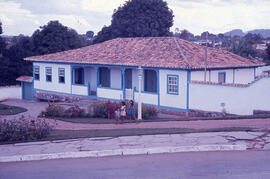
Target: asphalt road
202 165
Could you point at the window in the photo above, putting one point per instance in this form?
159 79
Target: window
172 84
79 76
61 75
150 81
49 74
104 77
222 77
36 72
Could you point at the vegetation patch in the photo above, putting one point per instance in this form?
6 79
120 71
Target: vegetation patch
23 129
10 110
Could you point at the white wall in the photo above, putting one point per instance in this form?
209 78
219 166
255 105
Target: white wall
238 100
80 90
147 98
10 92
240 76
54 85
245 75
171 100
110 93
260 70
116 78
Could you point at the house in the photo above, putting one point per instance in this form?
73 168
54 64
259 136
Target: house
175 75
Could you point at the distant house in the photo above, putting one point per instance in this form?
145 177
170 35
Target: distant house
174 75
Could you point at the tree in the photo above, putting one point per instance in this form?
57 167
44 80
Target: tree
139 18
268 51
186 35
2 41
13 64
54 37
89 34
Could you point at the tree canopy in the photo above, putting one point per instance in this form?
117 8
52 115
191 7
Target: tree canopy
268 51
139 18
54 37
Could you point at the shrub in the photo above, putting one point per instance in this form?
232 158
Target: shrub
23 129
111 108
149 111
74 111
53 110
105 109
100 109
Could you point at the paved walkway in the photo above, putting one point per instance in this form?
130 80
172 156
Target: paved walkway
131 145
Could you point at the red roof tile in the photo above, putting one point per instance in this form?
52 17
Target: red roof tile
167 52
25 78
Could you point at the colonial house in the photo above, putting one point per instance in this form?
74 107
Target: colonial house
175 75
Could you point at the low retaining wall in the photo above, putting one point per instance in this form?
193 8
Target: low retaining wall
10 92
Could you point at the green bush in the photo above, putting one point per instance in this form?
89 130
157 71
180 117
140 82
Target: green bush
54 110
148 111
23 129
100 109
104 108
74 111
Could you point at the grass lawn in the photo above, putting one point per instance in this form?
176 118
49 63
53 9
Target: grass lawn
10 110
75 134
86 120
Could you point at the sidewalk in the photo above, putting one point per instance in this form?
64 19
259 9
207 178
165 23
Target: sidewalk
132 145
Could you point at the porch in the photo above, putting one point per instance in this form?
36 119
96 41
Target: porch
114 83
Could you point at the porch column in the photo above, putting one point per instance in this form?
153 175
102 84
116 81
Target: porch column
123 82
71 78
158 93
97 80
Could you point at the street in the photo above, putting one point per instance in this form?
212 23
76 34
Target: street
248 164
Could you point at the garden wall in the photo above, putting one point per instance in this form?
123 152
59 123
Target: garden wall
235 99
10 92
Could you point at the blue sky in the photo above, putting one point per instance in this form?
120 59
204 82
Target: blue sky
25 16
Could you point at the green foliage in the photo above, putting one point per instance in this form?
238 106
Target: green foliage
54 37
148 111
74 111
13 63
139 18
54 110
10 110
100 109
268 51
23 129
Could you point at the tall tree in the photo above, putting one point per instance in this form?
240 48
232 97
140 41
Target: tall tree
2 41
268 52
54 37
139 18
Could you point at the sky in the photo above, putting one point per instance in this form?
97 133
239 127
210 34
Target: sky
197 16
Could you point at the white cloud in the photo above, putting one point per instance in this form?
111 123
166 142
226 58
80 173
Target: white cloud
101 5
25 16
219 16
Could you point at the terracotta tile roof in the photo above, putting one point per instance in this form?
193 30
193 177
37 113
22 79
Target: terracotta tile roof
166 52
25 78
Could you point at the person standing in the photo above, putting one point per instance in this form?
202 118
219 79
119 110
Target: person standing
123 112
131 111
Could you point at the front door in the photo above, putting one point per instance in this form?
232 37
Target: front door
128 78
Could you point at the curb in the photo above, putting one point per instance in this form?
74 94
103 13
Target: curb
122 152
